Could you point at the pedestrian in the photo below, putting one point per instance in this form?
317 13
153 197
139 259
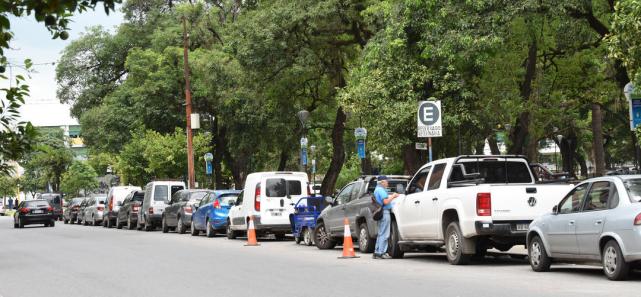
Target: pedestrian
385 200
10 203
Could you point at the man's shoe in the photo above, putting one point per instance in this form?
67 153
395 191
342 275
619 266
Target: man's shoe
376 256
385 256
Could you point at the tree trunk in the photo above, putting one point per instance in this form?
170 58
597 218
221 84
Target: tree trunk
582 164
284 157
338 154
520 132
568 152
597 140
411 161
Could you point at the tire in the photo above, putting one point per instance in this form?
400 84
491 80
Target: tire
165 228
231 234
130 226
148 226
118 224
503 247
194 232
308 237
104 223
180 227
537 255
394 248
66 221
46 224
20 223
93 221
278 236
365 243
211 232
52 223
109 224
454 245
614 266
15 225
323 239
85 223
298 239
138 226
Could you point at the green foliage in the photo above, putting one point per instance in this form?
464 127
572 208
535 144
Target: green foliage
8 186
47 162
80 176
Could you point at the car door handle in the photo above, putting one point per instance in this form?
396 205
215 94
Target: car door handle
571 223
435 199
599 222
417 202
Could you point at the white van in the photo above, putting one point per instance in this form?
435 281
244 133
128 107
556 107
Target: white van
114 200
270 198
157 195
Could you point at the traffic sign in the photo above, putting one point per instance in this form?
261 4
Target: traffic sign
303 156
208 168
360 133
634 100
360 146
421 146
209 157
429 118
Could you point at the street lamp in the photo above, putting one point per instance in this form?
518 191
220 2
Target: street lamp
312 149
303 116
559 137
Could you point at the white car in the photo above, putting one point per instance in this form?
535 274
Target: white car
94 210
470 204
157 195
268 197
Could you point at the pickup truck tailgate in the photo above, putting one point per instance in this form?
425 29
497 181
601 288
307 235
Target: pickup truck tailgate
525 202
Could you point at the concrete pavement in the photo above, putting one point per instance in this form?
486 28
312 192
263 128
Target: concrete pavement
72 260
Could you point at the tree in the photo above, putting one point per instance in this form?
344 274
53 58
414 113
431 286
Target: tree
80 176
47 162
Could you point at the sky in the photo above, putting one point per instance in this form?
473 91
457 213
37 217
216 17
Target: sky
33 41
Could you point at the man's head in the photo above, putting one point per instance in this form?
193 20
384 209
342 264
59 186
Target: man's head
383 180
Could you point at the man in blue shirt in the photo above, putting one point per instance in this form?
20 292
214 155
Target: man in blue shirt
385 200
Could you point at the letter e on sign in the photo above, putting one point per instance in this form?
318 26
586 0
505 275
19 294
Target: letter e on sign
429 119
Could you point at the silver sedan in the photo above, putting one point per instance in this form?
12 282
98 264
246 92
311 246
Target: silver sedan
598 221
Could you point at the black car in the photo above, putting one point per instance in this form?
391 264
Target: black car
354 201
34 212
70 214
128 212
177 214
55 199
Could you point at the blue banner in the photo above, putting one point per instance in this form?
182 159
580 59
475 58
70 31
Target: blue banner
360 146
636 112
209 168
303 156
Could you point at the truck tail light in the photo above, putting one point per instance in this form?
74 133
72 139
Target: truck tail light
637 220
257 198
483 204
217 204
187 209
151 210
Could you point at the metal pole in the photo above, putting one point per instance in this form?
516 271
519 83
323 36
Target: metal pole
190 152
429 144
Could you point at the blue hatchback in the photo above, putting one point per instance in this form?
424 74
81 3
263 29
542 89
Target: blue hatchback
212 212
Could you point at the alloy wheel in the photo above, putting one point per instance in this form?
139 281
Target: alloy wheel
535 254
362 239
610 260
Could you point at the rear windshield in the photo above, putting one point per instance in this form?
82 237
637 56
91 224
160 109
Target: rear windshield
226 198
633 186
280 187
197 196
76 201
37 204
499 172
160 193
101 200
138 196
54 199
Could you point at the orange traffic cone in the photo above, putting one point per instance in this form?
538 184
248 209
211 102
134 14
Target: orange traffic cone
251 233
348 244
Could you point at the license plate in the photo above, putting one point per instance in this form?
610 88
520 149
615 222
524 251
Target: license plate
38 211
522 227
277 214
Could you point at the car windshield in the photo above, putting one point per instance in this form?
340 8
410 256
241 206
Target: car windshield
36 204
634 189
197 196
226 198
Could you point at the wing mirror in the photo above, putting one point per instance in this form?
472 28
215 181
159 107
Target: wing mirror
329 199
555 209
231 203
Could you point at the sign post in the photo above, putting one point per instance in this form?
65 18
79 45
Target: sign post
361 135
303 152
634 102
209 168
429 119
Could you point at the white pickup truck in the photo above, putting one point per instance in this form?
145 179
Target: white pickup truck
470 204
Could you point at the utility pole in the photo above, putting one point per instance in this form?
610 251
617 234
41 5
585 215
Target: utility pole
190 151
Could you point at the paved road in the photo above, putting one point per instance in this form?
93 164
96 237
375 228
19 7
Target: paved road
72 260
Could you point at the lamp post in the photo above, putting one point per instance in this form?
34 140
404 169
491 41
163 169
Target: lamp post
190 150
312 149
303 116
559 137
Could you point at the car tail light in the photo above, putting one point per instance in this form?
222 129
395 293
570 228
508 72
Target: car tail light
151 210
187 209
637 220
111 203
24 210
100 208
257 198
217 204
483 204
136 208
50 208
76 207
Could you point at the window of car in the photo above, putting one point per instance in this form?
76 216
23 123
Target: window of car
175 189
196 196
226 199
597 198
138 196
345 194
176 197
37 204
497 171
436 177
356 189
205 200
280 187
239 200
572 202
418 182
614 198
161 193
633 187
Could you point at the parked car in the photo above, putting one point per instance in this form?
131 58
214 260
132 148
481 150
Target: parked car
353 201
3 210
70 213
598 221
128 212
270 198
303 220
468 205
212 211
31 212
157 194
94 210
56 201
177 214
115 197
81 210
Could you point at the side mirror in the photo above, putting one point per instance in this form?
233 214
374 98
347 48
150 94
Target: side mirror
329 199
231 203
119 203
195 206
555 209
400 189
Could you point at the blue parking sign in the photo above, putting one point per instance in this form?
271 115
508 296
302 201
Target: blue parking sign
208 168
360 147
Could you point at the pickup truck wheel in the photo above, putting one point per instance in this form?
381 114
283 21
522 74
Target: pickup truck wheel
365 244
394 249
308 237
454 248
614 265
322 238
539 259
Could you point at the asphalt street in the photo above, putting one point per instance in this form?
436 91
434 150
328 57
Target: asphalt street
73 260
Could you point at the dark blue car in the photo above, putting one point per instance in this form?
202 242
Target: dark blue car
212 212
